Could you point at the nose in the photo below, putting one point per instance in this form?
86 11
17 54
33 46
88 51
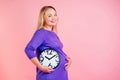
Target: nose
54 19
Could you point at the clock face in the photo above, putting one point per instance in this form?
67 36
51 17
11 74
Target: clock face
50 58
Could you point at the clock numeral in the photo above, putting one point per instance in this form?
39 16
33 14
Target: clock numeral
54 66
57 61
41 59
50 65
49 52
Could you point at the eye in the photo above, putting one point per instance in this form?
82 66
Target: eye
55 15
49 15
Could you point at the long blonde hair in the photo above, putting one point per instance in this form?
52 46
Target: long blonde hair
41 21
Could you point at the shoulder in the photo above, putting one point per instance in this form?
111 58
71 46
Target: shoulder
40 32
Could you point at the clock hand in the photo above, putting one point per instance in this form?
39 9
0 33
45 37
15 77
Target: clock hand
52 56
47 58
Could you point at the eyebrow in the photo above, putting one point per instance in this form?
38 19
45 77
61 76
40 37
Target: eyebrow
51 14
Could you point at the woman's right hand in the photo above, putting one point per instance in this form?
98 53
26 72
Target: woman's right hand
42 68
46 69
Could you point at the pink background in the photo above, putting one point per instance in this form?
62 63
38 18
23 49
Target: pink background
89 30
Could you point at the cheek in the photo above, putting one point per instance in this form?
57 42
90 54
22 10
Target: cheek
56 19
47 20
51 21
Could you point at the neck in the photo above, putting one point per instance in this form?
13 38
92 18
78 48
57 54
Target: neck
48 27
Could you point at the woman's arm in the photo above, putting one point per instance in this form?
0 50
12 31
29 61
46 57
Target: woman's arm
36 62
31 47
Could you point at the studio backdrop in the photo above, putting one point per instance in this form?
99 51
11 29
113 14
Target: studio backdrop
89 30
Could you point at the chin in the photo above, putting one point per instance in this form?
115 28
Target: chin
53 24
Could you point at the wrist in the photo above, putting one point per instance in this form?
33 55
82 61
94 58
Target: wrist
40 67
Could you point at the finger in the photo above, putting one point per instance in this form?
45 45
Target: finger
66 68
50 71
50 68
68 57
69 61
66 64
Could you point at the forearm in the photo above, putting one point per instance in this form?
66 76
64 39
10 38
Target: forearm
36 62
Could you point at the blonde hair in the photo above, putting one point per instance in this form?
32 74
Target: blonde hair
41 21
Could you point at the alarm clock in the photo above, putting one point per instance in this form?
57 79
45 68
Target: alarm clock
49 58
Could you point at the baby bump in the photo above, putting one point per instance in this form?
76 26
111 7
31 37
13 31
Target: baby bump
59 73
63 61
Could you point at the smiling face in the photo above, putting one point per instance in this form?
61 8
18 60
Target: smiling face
50 17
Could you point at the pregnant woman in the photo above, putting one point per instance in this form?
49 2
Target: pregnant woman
45 48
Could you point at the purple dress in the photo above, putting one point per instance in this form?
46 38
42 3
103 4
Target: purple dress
41 40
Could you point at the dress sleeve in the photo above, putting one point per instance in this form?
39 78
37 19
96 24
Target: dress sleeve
35 41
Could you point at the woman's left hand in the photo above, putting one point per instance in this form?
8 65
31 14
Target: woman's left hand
67 65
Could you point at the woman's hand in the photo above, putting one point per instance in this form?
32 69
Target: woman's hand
42 68
67 65
46 69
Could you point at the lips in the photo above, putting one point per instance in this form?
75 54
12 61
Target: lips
53 21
